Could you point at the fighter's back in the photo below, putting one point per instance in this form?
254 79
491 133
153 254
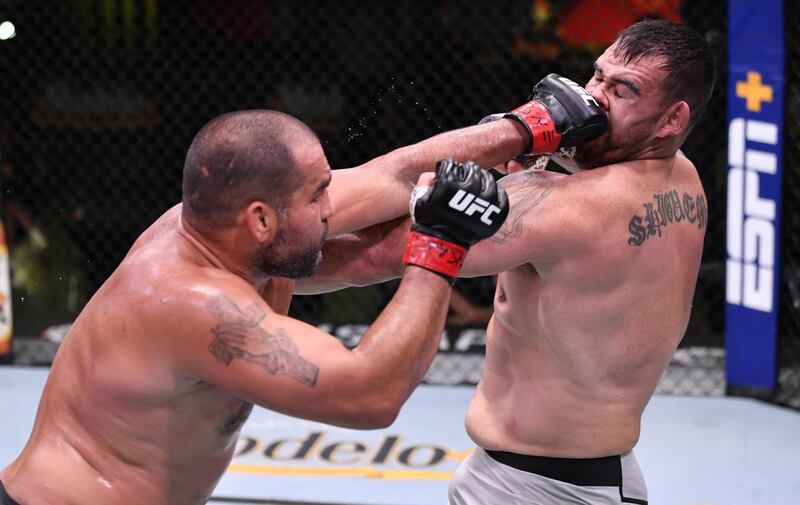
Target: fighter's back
581 337
115 411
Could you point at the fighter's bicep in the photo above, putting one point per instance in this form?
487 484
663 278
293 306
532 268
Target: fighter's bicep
527 194
365 257
277 362
366 195
534 212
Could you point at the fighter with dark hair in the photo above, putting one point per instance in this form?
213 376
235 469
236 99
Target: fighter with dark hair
597 271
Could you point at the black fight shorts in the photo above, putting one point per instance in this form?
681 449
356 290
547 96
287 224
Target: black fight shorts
4 498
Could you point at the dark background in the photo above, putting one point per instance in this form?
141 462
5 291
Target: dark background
101 98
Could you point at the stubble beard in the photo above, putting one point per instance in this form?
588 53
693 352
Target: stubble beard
607 150
284 258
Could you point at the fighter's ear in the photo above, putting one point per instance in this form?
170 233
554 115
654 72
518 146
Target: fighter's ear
675 120
261 219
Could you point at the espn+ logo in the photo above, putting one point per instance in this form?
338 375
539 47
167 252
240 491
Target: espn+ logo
752 156
469 204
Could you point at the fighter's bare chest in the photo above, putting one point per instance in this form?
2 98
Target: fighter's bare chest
516 297
518 286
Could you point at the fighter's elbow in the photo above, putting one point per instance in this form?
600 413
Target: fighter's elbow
381 418
382 259
386 414
371 268
376 411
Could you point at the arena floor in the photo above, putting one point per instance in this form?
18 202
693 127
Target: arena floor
693 451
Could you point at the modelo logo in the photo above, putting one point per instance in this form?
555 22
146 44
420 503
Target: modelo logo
387 451
751 216
469 204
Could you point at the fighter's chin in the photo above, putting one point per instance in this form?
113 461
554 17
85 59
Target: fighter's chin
593 154
588 162
302 269
295 265
312 268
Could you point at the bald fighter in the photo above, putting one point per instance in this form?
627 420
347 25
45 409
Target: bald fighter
149 389
597 271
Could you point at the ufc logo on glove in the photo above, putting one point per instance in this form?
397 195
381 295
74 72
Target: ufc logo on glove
443 226
469 204
578 90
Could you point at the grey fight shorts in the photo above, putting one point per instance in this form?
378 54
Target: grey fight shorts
504 478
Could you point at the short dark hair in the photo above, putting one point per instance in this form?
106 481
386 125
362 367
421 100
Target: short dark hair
686 57
238 158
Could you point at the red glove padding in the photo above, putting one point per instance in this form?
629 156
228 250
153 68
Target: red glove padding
539 123
435 254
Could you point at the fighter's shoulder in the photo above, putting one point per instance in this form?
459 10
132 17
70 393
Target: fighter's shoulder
165 282
203 284
597 197
167 221
689 170
188 305
553 192
531 180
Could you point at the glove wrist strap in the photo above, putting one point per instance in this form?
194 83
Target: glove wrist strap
435 254
539 123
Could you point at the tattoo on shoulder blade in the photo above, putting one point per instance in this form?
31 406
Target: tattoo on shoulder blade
665 209
525 193
238 335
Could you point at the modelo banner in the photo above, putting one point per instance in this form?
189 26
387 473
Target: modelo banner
755 131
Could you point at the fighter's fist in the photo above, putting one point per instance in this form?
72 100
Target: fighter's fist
463 206
560 114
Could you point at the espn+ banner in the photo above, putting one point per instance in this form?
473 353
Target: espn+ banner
755 131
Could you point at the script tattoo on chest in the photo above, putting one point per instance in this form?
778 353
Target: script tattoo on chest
238 335
526 192
665 209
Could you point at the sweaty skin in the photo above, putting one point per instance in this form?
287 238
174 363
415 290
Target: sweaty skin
149 389
597 272
597 275
145 398
583 331
116 417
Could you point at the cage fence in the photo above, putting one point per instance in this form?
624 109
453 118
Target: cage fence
103 99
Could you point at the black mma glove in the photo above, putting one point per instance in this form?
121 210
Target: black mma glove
463 206
559 115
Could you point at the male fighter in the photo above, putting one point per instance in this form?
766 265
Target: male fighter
148 391
597 272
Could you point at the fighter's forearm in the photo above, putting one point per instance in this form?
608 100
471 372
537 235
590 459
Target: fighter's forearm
399 346
378 190
362 258
487 144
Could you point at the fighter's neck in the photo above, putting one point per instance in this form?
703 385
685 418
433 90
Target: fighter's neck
658 151
206 248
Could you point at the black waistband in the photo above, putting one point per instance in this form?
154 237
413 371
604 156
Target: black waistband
581 472
4 498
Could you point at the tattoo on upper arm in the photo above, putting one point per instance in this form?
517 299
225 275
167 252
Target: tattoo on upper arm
238 335
526 192
668 208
